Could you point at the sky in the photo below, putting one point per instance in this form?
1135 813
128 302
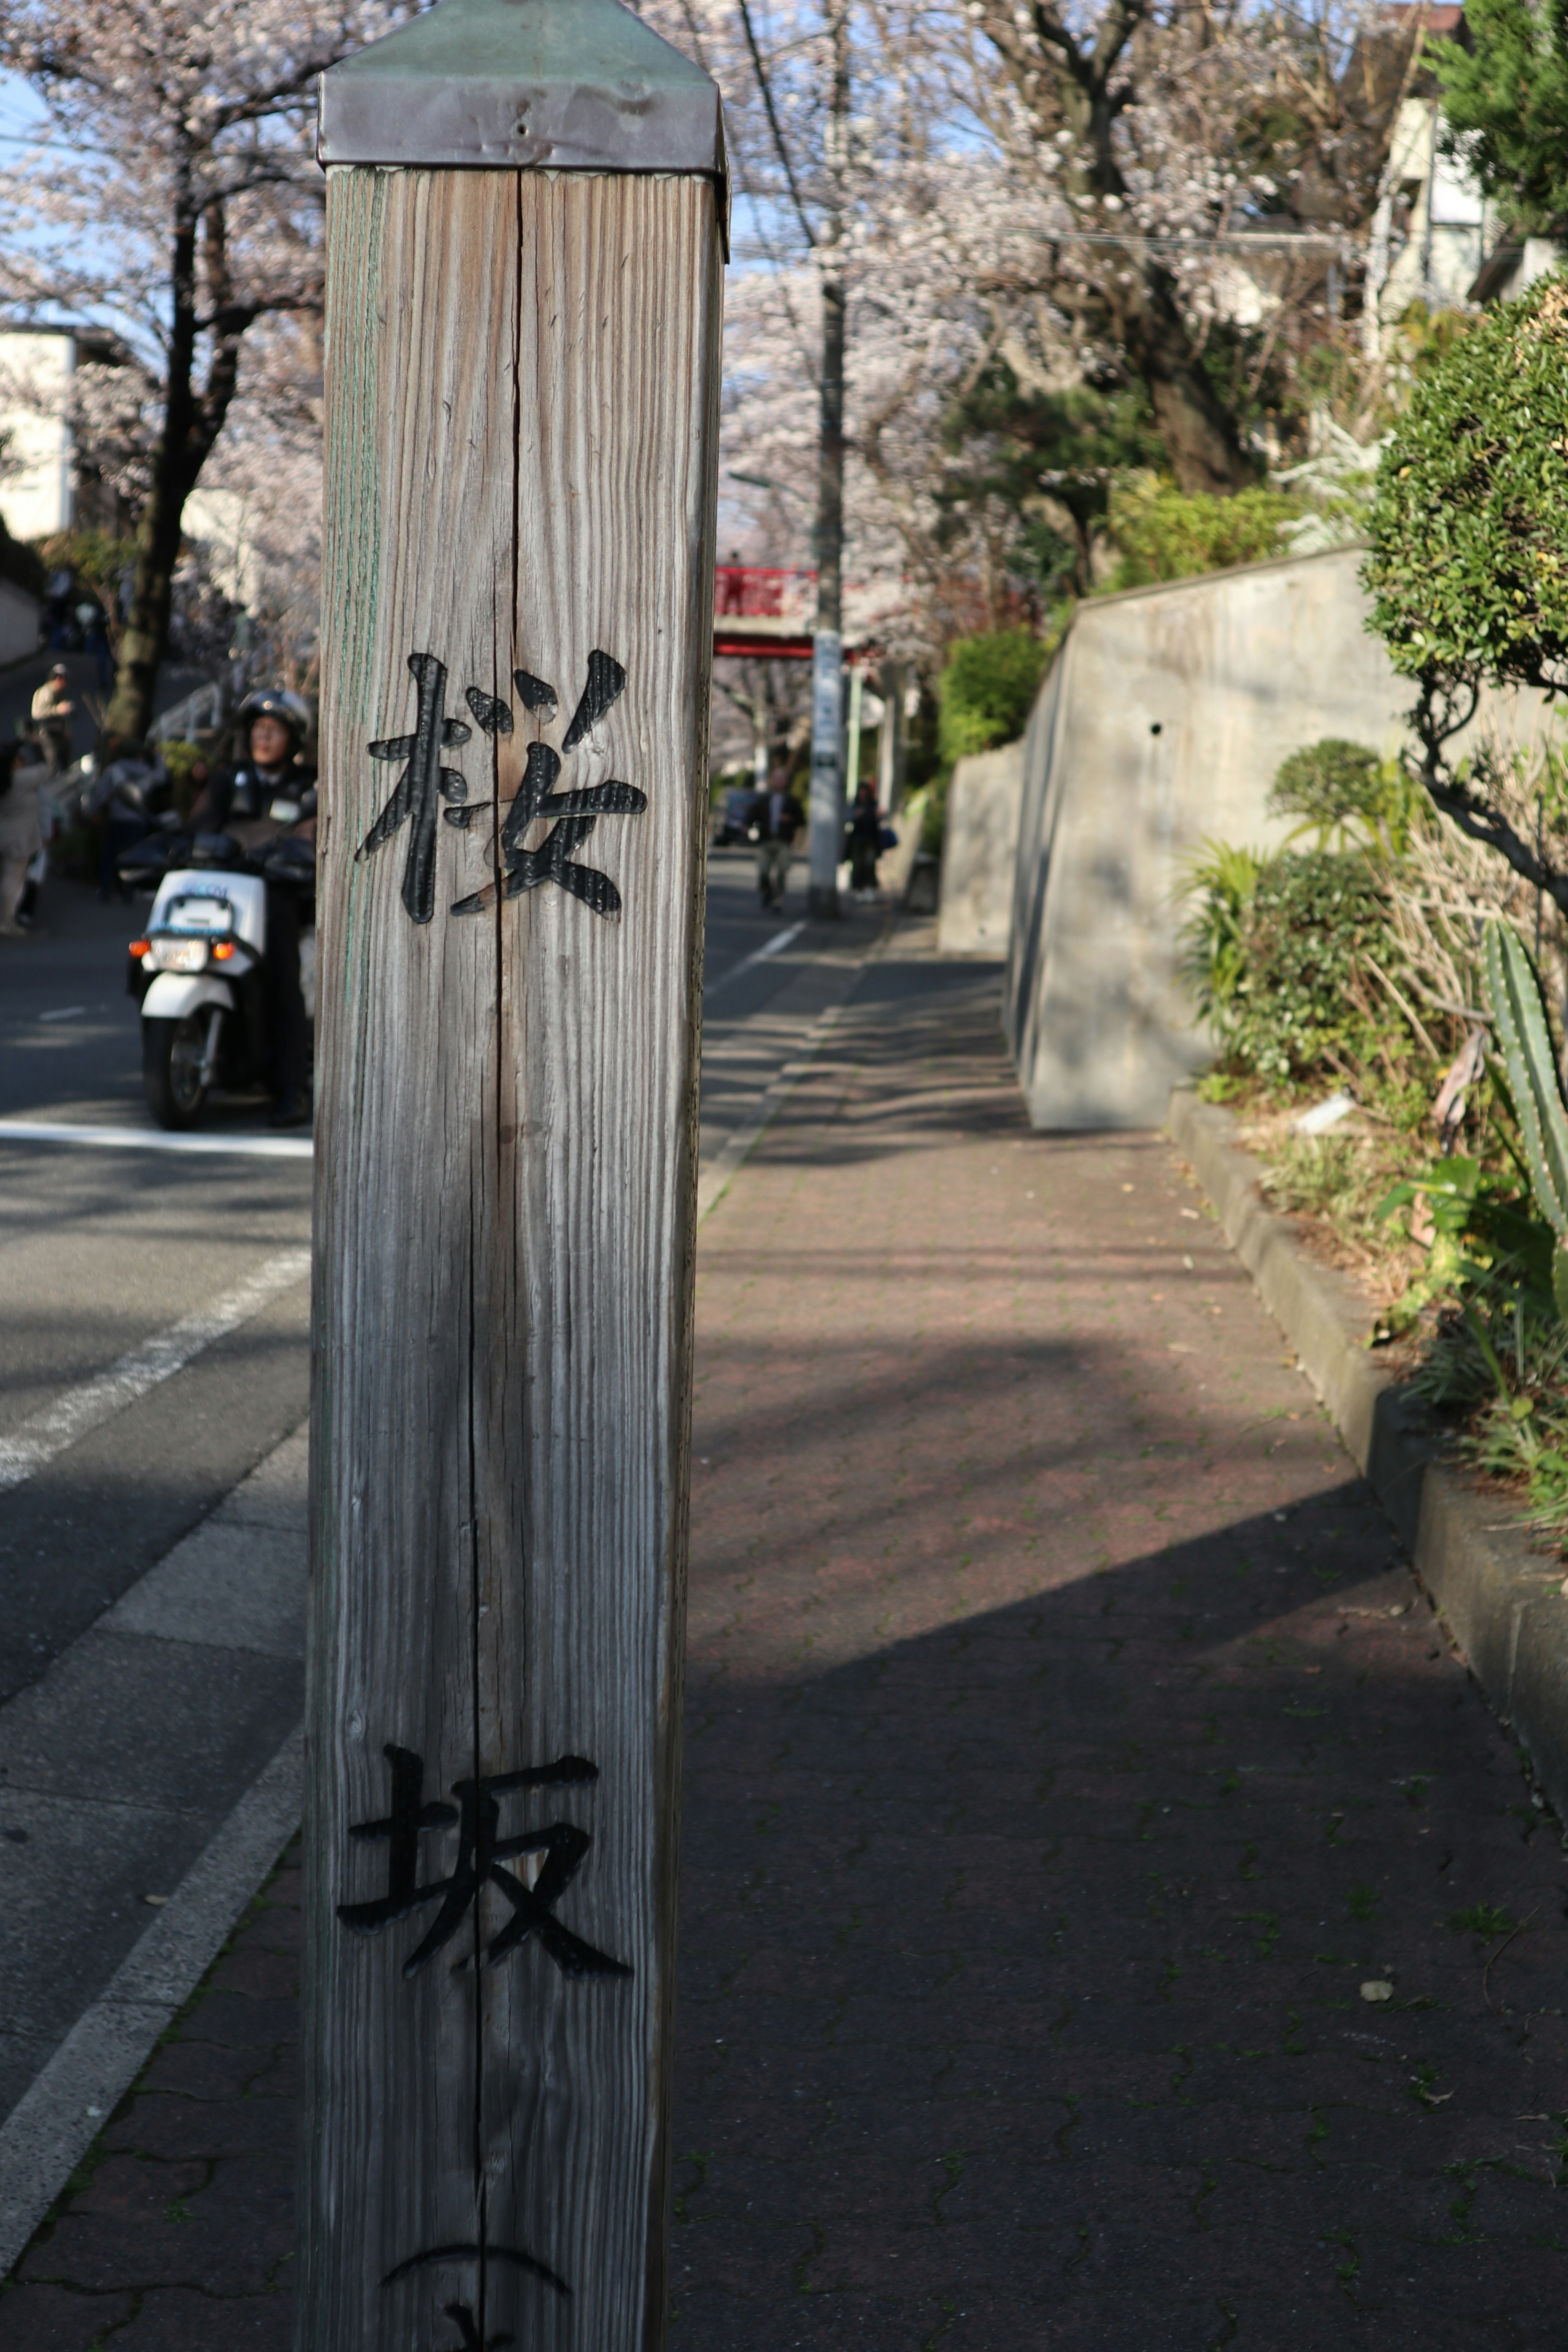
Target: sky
22 116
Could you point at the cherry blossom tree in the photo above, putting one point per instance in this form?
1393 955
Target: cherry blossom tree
1130 196
174 198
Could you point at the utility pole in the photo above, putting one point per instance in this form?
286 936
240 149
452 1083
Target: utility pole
525 234
826 834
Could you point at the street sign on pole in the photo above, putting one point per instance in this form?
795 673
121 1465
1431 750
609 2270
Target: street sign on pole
525 232
826 810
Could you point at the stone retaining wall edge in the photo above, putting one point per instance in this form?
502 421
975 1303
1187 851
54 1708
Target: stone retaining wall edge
1499 1598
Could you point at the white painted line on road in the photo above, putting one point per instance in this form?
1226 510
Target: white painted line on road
715 1180
153 1138
758 955
70 1415
66 1012
66 2105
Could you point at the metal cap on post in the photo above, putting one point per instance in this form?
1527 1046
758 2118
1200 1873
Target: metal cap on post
525 242
524 85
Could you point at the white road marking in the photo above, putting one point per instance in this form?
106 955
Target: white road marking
758 955
66 1012
59 1423
154 1139
59 2115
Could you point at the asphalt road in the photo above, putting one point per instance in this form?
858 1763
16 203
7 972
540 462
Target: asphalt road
101 1249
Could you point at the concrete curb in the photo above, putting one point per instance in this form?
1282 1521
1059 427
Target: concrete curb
1499 1598
60 2114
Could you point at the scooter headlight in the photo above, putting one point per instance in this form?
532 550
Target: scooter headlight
179 955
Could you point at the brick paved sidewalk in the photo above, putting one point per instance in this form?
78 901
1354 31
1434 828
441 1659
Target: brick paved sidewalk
1066 1748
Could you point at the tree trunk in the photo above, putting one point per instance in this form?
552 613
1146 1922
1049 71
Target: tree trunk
145 637
1201 438
146 633
192 421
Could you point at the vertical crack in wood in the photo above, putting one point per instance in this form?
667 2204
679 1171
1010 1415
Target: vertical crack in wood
477 1767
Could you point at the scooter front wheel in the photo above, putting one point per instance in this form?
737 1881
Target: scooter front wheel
172 1056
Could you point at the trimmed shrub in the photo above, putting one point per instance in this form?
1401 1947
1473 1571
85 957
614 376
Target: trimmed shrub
1163 534
987 689
1298 1003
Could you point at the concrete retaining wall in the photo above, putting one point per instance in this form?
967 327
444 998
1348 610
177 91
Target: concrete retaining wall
1161 725
979 853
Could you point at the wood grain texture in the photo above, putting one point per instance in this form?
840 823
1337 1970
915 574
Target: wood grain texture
522 378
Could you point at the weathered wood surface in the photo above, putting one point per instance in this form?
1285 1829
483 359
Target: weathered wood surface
523 373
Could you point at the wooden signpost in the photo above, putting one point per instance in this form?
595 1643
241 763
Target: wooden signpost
526 222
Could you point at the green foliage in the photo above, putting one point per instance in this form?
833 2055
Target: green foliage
95 557
182 760
1049 457
1501 1348
986 690
1343 792
1468 560
1338 1178
1505 105
1518 1015
1298 1004
1164 534
1482 1919
1220 883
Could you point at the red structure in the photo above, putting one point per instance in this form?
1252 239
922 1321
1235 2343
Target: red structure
761 613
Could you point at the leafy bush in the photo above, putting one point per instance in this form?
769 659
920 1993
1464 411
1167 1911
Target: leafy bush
1300 1002
1468 560
1500 1350
987 689
1342 789
1221 884
985 696
1164 534
182 759
97 559
1468 566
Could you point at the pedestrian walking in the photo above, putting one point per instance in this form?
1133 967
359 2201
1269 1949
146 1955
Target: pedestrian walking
865 841
777 821
52 709
21 835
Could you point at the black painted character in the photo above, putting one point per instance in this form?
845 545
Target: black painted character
423 782
573 814
468 2328
445 2257
480 1854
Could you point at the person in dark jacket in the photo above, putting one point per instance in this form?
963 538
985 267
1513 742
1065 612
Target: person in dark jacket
270 791
864 841
775 821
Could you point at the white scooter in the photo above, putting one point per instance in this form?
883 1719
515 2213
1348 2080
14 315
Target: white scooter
200 968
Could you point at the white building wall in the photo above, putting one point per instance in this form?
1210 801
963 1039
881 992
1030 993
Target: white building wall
224 521
36 490
1438 227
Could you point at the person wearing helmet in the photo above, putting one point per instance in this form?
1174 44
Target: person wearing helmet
269 774
268 791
